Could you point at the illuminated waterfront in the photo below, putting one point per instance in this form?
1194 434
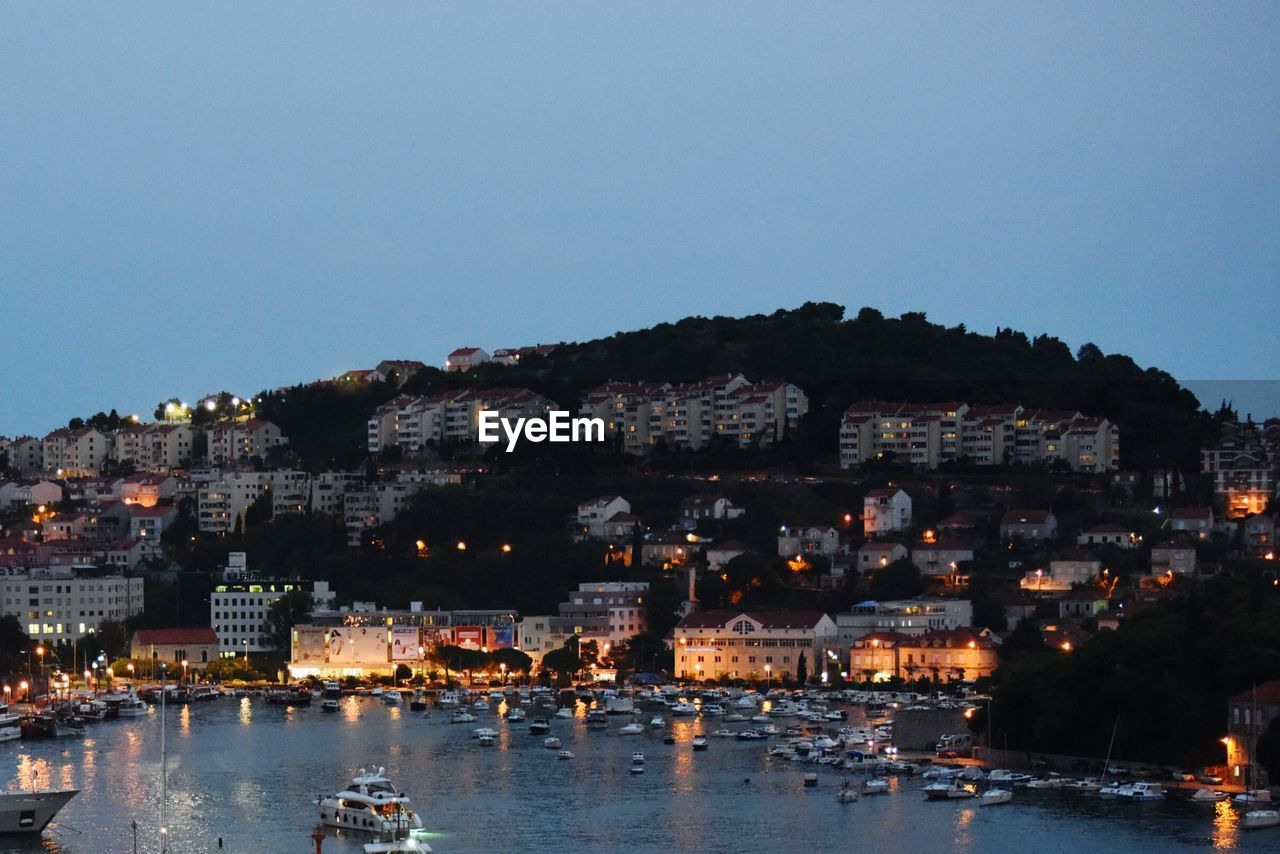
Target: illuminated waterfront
249 773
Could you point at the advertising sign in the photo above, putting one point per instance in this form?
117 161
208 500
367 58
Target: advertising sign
469 636
309 645
502 636
404 643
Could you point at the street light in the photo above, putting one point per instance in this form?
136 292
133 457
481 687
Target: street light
26 689
129 667
184 669
768 676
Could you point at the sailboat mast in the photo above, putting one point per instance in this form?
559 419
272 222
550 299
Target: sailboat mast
164 765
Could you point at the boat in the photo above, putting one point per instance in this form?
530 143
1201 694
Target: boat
483 732
1013 778
657 722
461 716
993 797
31 812
487 740
700 743
516 714
684 710
448 700
418 702
723 733
539 726
565 754
637 758
329 705
39 726
636 769
631 729
551 743
332 690
1141 790
1208 796
1254 796
761 718
1053 781
131 707
564 713
751 735
392 698
619 706
668 739
481 705
596 719
1259 819
712 709
1088 785
370 803
876 786
398 846
10 725
735 718
945 790
847 793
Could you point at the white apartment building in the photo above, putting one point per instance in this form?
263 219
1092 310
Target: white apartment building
328 489
370 505
242 441
15 493
729 406
927 435
906 616
593 515
155 447
412 423
76 452
808 540
55 604
238 610
290 492
26 454
605 612
223 502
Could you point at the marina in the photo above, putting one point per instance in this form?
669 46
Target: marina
245 771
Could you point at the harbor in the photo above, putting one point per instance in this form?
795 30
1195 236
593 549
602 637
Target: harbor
251 773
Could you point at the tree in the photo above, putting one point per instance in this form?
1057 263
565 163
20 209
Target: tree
802 669
899 580
285 613
1269 750
14 645
111 636
564 662
515 660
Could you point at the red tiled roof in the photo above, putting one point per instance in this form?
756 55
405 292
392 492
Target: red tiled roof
168 637
1268 693
767 619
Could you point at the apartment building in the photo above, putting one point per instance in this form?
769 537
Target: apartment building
155 447
26 454
1243 465
329 488
728 407
927 435
222 502
752 645
241 441
290 492
885 511
593 515
904 616
412 423
607 612
368 506
954 655
60 604
81 452
238 610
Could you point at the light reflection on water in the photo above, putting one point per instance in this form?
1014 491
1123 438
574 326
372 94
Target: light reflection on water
249 773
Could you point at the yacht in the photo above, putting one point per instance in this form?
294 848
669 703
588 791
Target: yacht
31 812
370 803
131 707
1258 819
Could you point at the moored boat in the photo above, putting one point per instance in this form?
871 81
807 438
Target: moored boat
371 804
31 812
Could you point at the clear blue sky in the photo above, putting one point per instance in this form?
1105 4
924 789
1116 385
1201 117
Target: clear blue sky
244 195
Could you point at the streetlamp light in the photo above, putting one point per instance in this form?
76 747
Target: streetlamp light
184 669
502 665
768 677
26 689
129 667
40 655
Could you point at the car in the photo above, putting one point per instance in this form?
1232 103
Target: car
1209 779
1182 776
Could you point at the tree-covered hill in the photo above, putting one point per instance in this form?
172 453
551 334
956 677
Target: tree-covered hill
836 361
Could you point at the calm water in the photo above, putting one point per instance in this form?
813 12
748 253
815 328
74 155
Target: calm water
248 773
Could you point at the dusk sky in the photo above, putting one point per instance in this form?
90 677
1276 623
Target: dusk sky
237 196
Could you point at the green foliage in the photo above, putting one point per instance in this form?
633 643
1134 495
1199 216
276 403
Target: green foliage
802 669
564 662
14 645
899 580
231 670
283 614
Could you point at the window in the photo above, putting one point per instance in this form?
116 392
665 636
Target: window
742 627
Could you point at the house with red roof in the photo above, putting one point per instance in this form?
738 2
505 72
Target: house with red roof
464 359
752 644
197 647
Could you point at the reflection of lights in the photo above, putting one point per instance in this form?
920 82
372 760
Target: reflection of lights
1226 825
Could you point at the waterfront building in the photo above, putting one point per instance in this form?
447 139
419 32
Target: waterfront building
904 616
955 655
65 603
197 647
238 609
752 645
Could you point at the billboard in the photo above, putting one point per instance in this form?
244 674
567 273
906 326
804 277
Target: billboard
472 637
404 643
434 636
502 636
358 645
309 645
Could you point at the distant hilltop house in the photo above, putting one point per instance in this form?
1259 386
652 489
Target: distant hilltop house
1196 521
464 359
1107 535
515 355
1029 525
927 435
885 510
1243 464
597 515
796 540
707 508
410 423
726 407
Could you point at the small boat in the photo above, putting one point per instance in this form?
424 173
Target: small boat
329 705
946 790
564 713
565 754
332 690
619 706
657 722
551 743
486 740
1259 819
484 731
418 702
461 716
131 707
735 718
631 729
392 698
810 780
596 719
668 739
700 743
1142 790
712 709
636 769
31 812
992 797
1208 796
1053 781
684 710
539 726
1088 785
516 714
846 795
1254 796
761 718
876 786
448 700
481 705
637 758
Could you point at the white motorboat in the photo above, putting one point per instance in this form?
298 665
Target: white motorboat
684 710
712 709
516 714
876 786
370 804
657 722
481 705
131 707
761 718
448 700
596 719
31 812
10 725
631 729
1013 778
992 797
1141 790
1089 785
700 743
565 754
539 726
392 698
551 743
619 706
329 705
723 733
332 690
848 794
947 790
487 740
1254 796
461 716
1208 796
637 758
1259 819
1053 781
636 769
483 731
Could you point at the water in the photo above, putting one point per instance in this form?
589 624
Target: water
249 773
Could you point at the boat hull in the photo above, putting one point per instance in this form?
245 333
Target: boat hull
22 813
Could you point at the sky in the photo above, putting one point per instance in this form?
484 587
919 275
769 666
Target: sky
240 196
